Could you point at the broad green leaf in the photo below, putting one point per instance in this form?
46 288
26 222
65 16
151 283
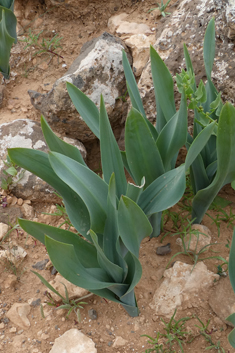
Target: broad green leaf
133 224
132 85
200 176
164 192
156 220
9 4
7 38
12 171
209 47
198 144
163 85
110 154
216 103
135 105
85 107
133 277
72 269
37 163
134 191
226 163
88 185
173 136
111 232
143 157
231 335
211 170
231 265
55 144
233 184
114 271
85 251
125 163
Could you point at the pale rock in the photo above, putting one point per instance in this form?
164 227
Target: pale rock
140 46
181 284
73 291
73 341
20 201
2 325
3 230
130 28
28 211
26 133
197 239
115 21
97 70
119 342
10 282
222 300
17 341
15 254
18 315
13 329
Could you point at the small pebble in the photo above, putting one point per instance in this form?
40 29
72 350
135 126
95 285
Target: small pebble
41 264
164 250
92 313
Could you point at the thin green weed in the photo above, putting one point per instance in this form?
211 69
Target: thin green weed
175 334
72 305
203 330
162 7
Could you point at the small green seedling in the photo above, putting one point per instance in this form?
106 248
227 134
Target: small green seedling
42 45
175 333
12 174
162 8
72 305
203 330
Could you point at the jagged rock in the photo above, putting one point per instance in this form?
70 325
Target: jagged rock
28 134
222 300
73 341
97 70
199 237
10 214
18 315
15 254
181 285
73 291
187 25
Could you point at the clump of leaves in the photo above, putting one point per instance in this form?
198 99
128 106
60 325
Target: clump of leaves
175 334
12 174
203 330
162 7
42 45
72 305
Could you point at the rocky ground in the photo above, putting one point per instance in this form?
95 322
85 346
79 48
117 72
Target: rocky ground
204 295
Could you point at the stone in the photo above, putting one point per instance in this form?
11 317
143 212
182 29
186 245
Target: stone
98 69
3 230
199 237
18 315
117 24
15 254
164 249
187 24
28 211
222 300
28 134
92 313
119 342
73 291
73 341
41 264
140 45
180 285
